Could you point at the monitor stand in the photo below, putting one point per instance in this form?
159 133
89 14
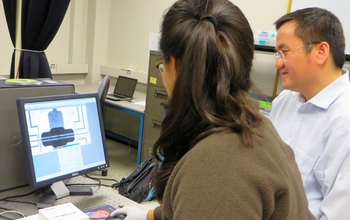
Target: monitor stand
59 190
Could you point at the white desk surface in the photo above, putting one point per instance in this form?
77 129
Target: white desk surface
137 104
102 195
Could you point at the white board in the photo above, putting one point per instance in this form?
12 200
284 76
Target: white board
341 8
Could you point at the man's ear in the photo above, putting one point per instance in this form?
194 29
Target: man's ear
323 52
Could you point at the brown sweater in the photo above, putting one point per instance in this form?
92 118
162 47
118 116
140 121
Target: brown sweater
222 179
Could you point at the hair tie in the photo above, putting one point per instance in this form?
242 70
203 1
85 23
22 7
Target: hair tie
211 19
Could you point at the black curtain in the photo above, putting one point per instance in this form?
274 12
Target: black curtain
41 20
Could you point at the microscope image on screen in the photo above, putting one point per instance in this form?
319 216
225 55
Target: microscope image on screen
55 119
58 135
53 128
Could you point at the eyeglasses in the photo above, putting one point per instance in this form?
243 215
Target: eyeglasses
159 66
281 53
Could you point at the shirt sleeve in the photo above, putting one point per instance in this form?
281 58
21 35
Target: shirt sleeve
333 174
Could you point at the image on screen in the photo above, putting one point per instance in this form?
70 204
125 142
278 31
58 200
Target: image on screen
63 136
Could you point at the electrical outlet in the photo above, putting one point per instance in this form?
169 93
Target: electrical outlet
52 66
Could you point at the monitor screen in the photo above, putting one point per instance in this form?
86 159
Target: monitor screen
125 86
63 136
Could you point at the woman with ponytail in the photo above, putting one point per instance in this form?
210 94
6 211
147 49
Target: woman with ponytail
221 159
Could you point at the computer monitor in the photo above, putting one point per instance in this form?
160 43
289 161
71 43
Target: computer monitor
12 168
63 137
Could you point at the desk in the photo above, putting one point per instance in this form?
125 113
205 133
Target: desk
122 163
102 195
136 108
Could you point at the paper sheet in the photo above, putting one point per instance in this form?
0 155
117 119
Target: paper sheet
143 103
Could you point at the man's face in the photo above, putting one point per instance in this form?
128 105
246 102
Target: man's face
296 68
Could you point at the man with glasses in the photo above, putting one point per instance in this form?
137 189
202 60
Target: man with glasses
312 114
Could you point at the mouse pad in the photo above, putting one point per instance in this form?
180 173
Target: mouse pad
100 212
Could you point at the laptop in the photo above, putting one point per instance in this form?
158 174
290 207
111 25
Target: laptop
124 89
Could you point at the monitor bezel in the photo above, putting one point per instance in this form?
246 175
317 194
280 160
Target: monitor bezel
26 141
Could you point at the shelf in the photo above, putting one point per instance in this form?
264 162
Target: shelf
266 48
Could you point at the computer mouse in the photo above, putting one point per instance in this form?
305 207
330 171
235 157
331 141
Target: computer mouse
118 216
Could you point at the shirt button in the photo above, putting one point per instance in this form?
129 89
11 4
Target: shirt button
290 135
301 112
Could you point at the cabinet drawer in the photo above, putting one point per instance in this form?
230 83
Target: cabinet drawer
151 129
153 77
156 99
146 151
121 123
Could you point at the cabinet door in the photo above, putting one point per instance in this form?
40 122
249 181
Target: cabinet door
152 126
146 151
156 100
121 123
154 78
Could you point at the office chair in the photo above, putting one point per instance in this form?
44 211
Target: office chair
102 93
103 90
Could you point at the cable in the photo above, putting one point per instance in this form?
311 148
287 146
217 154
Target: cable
7 218
8 199
99 180
87 184
93 184
17 187
95 178
12 211
22 195
18 201
129 148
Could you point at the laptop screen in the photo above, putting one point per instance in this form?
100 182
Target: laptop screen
125 86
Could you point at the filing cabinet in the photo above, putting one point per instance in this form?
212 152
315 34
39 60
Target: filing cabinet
156 100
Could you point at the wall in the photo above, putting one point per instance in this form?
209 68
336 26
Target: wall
66 52
339 7
131 24
6 47
111 36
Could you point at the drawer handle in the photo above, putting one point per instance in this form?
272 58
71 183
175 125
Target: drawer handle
160 94
156 124
165 105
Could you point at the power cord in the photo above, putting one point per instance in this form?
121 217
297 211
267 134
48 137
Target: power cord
21 195
95 178
93 184
129 148
13 212
9 199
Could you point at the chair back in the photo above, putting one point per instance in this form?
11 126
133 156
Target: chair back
103 90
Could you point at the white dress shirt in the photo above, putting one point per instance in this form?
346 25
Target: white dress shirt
319 133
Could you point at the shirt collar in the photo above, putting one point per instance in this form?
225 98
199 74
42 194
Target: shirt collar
330 93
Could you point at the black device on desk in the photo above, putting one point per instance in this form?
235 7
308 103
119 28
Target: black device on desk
124 89
63 137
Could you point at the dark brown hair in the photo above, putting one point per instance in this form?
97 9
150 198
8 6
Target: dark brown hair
210 94
315 25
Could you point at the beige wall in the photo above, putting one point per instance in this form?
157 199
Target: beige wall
131 22
5 44
110 36
130 25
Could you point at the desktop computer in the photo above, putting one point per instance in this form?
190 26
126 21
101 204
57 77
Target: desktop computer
12 160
